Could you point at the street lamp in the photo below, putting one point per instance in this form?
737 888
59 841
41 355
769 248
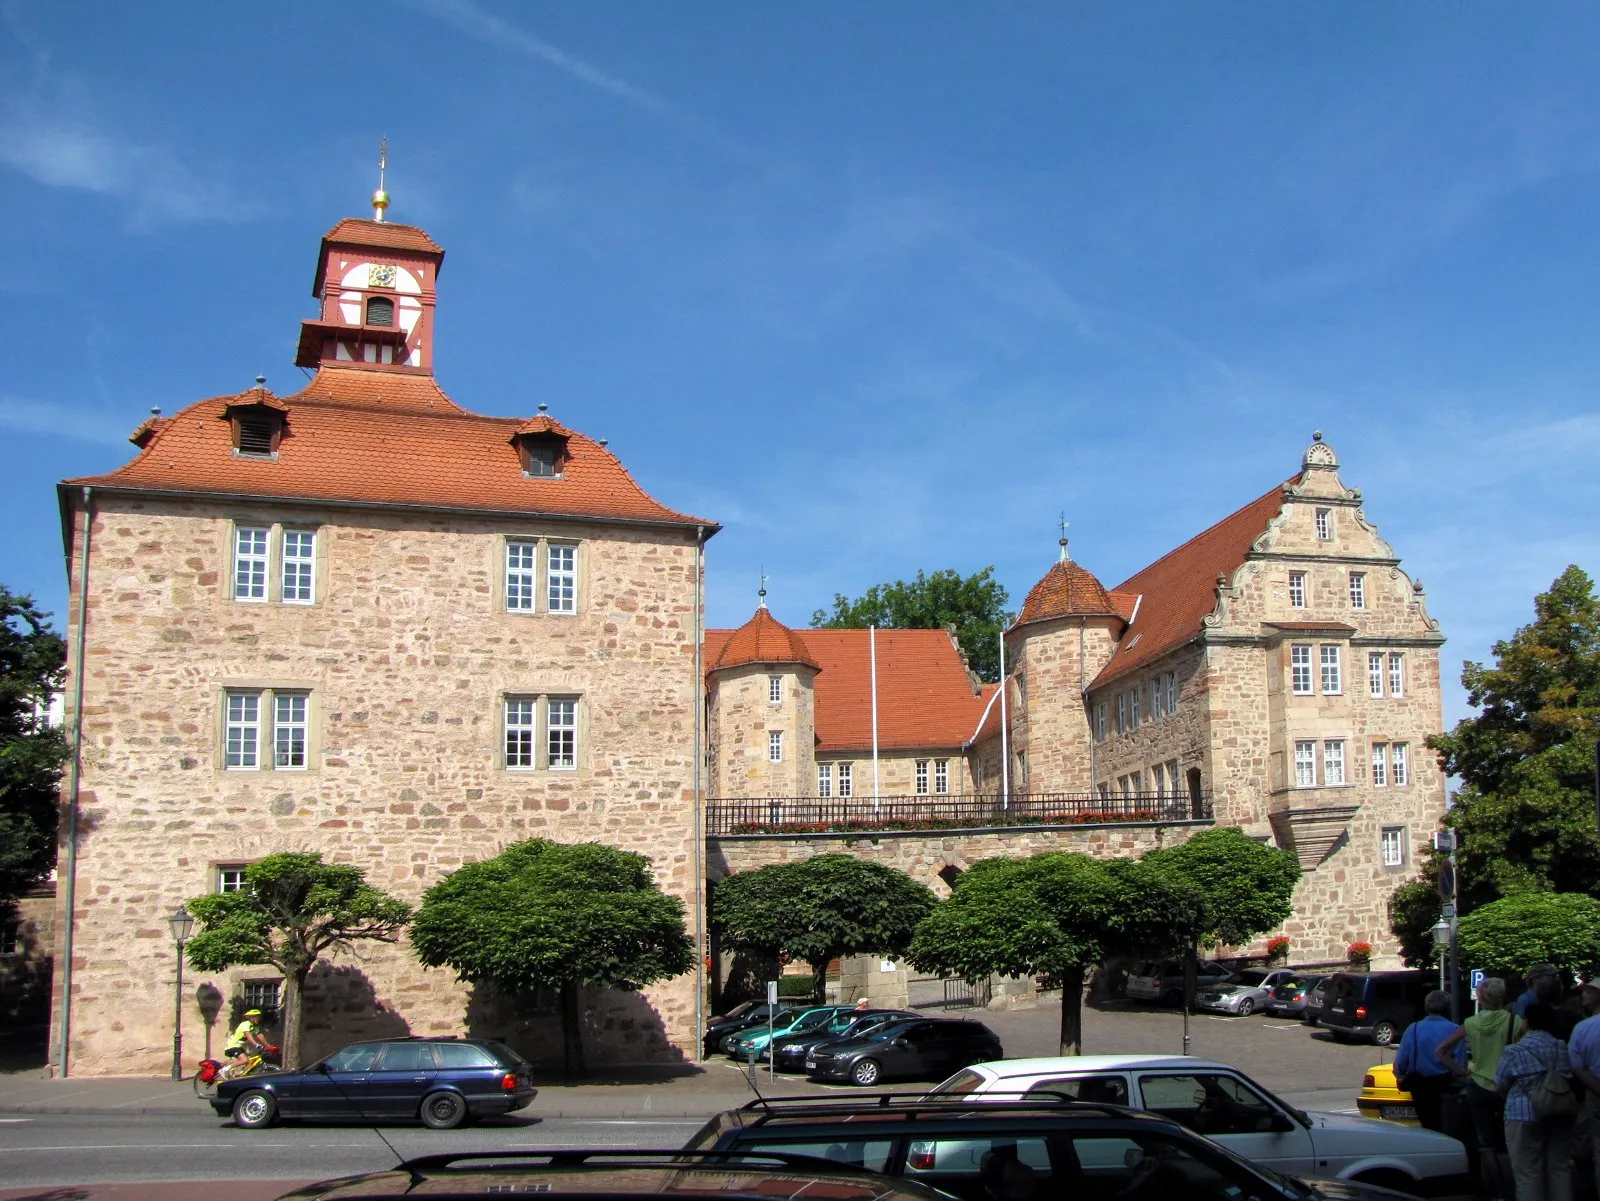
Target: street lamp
182 926
1441 941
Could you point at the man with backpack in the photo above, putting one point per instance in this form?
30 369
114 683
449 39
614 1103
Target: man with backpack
1535 1078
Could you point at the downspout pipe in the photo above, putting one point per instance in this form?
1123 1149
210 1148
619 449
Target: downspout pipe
75 776
699 808
1083 673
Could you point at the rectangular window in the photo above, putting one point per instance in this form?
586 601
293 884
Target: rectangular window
230 877
1105 792
775 746
250 563
561 734
941 776
1358 590
1172 692
1397 674
1122 712
521 570
1375 672
562 578
1100 721
1172 777
824 779
1398 761
289 730
1324 524
521 726
1135 783
1300 668
775 690
263 995
1125 785
1158 781
846 780
1297 590
242 733
1305 764
1133 708
1333 762
299 560
1332 680
1394 846
1157 692
1380 764
922 777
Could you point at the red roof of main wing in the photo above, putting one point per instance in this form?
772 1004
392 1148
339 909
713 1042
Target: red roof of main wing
384 437
1180 588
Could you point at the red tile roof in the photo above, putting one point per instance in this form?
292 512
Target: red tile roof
382 436
762 639
1180 588
359 231
925 699
1067 590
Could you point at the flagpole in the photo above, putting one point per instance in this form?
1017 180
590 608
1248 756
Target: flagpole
1005 748
872 643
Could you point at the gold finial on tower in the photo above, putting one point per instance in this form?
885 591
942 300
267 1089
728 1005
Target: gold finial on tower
380 198
1064 524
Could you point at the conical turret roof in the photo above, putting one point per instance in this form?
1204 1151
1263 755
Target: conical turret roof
1067 590
763 639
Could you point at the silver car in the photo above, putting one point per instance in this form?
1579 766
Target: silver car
1246 993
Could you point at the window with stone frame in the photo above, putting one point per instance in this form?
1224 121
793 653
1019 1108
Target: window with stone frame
1133 706
230 877
1305 763
522 573
561 733
1297 590
1171 685
1332 676
824 779
1105 791
1099 721
1380 764
290 730
1397 674
1324 524
561 577
297 578
922 777
250 562
266 728
846 780
1358 590
941 776
1125 786
774 746
1400 763
1375 673
775 690
1300 668
1122 712
1333 762
1158 779
242 731
1135 782
1395 843
1173 778
522 732
264 995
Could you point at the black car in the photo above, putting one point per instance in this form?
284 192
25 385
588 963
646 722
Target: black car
662 1175
1032 1149
919 1049
740 1017
441 1081
792 1049
1377 1006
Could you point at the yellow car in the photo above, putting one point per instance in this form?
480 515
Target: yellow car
1382 1097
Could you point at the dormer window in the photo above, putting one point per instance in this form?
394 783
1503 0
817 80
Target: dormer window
543 456
380 311
257 430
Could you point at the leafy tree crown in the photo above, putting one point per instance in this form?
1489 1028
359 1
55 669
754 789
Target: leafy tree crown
32 668
975 605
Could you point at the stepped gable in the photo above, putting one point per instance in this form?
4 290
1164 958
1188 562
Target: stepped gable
1179 589
762 639
381 437
1067 590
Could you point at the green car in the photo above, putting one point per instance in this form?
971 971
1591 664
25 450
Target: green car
754 1040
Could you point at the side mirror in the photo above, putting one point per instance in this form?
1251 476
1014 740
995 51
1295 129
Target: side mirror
1279 1124
323 1068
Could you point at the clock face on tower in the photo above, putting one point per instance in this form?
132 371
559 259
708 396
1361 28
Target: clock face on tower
380 275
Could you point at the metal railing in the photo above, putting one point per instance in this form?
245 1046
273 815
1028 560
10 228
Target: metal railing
821 815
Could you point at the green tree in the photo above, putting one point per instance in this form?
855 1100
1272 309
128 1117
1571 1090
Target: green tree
32 665
818 909
1057 914
1511 935
547 916
1414 908
292 910
975 605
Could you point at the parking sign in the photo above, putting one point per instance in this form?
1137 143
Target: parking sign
1476 976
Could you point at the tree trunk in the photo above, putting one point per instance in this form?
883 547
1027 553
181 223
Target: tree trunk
819 982
572 1029
294 984
1072 1011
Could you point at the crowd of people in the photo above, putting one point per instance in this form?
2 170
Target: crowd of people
1527 1076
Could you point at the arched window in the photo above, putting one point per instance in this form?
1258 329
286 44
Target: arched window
380 311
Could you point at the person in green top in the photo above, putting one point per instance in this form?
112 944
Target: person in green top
246 1039
1487 1032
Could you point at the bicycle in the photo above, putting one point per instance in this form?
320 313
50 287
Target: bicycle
213 1071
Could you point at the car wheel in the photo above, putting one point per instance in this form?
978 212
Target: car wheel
866 1072
1388 1178
1384 1034
254 1109
443 1111
1246 1007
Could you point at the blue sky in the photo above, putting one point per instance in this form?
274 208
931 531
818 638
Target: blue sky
878 286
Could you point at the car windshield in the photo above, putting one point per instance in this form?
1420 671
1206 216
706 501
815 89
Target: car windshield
887 1031
1252 979
811 1021
738 1011
963 1082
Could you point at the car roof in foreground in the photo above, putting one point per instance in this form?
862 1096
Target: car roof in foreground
1077 1065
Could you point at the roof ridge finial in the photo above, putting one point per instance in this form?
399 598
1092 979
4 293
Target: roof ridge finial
761 593
380 198
1064 524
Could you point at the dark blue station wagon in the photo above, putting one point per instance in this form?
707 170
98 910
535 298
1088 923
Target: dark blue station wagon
440 1081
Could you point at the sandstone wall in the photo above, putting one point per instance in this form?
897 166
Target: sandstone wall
741 718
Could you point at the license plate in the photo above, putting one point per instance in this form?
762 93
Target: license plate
811 1063
1395 1112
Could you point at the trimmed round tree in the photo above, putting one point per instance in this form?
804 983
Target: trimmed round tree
818 909
293 909
1511 935
544 915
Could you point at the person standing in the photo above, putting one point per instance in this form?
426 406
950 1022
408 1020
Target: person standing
1418 1066
1540 1150
1486 1033
1543 981
1584 1052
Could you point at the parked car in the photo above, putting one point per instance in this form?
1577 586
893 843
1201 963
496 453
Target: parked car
1315 999
1247 992
1225 1105
568 1175
1018 1149
741 1016
1288 998
919 1049
1153 980
1382 1097
752 1040
1376 1006
791 1049
441 1081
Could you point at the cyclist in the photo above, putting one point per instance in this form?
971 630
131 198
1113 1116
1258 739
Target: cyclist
246 1039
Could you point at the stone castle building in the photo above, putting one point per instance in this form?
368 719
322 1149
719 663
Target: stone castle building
364 620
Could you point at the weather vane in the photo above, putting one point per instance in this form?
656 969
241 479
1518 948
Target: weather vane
380 198
1064 524
761 593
